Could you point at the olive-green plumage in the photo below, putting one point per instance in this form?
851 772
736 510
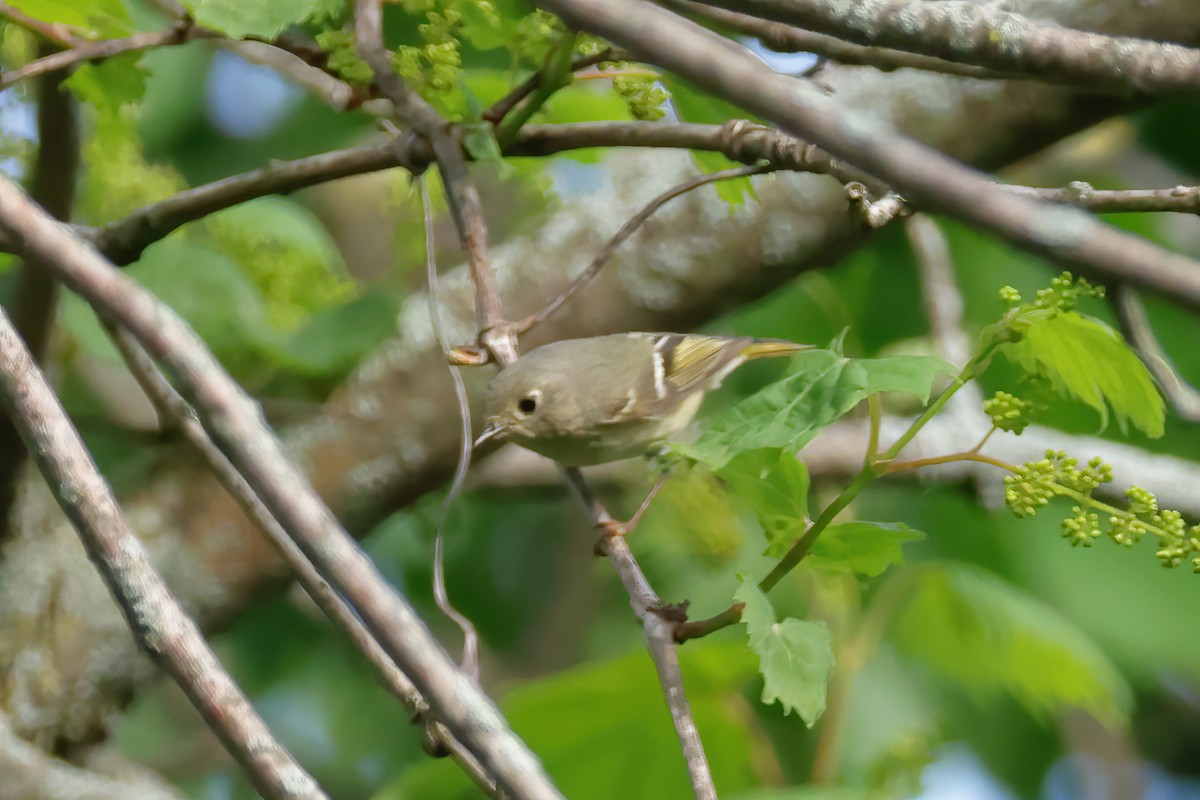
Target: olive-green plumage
588 401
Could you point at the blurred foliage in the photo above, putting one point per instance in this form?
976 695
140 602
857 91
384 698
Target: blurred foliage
942 622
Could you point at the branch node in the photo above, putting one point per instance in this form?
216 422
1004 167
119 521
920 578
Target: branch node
674 613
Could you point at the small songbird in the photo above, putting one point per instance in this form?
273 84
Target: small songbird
603 398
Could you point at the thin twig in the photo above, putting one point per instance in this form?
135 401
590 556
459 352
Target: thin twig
235 423
470 656
659 627
52 31
183 31
500 109
155 616
628 229
1177 199
124 239
1182 396
501 341
924 177
465 204
174 413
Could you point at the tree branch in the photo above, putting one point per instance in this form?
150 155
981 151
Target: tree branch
181 32
29 772
51 31
235 423
659 629
35 296
174 413
156 618
986 35
926 178
628 229
461 192
1182 396
500 338
788 39
380 444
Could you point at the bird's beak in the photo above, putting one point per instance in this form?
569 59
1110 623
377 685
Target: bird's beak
489 433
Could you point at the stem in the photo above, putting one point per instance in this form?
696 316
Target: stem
800 549
969 455
876 414
984 440
804 544
555 74
960 380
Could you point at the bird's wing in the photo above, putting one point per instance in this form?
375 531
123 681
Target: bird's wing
697 362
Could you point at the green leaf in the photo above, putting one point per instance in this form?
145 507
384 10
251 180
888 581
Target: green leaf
795 656
775 485
105 19
602 730
480 141
988 636
489 25
865 548
1087 360
110 84
204 287
335 339
288 253
694 511
821 387
265 18
692 105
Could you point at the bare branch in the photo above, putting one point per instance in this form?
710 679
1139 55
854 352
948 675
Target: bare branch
986 35
1177 199
1182 396
788 39
175 413
179 33
501 108
51 31
628 229
659 629
123 240
924 177
235 423
463 196
295 68
29 772
156 618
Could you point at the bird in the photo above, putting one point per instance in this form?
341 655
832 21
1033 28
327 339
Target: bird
597 399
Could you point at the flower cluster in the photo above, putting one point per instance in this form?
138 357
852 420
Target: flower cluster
643 95
343 57
1008 412
1062 294
1034 484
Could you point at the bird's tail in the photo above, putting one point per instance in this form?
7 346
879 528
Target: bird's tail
770 348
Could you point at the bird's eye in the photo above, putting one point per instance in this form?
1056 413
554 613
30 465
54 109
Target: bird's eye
527 405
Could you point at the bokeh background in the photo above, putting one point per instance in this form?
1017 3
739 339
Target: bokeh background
292 292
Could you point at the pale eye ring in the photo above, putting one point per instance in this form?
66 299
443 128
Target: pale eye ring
527 405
